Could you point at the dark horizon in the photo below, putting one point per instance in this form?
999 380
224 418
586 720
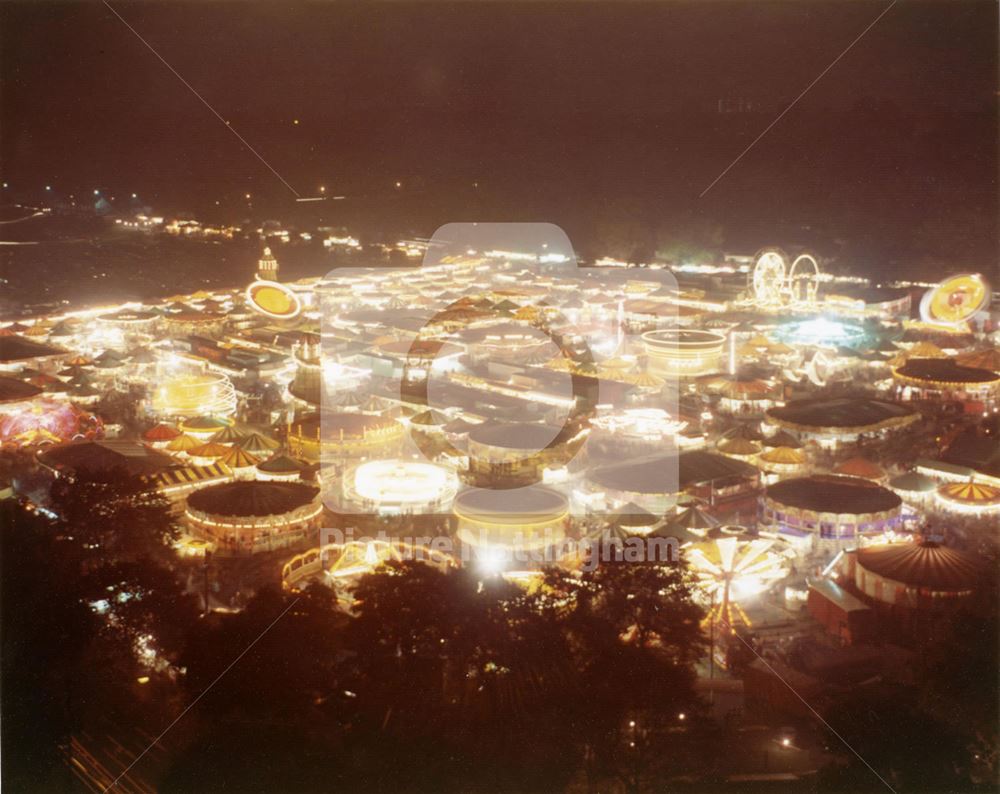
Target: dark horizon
586 111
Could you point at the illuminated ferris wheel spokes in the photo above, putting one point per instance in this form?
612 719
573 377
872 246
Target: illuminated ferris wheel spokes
768 278
774 284
803 280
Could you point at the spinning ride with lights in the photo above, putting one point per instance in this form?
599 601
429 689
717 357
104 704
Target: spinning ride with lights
956 300
205 394
732 565
399 486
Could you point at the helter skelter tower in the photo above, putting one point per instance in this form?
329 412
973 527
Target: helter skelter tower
267 266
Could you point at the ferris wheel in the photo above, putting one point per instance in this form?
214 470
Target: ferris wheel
803 279
768 278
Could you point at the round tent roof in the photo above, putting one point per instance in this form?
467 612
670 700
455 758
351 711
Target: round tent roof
521 506
926 564
183 443
634 516
970 493
832 493
783 439
841 412
209 450
161 432
519 435
203 424
228 435
737 446
981 359
668 474
13 390
238 458
256 443
252 498
914 482
860 467
282 464
786 456
945 370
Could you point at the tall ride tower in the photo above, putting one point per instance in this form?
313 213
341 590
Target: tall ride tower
267 266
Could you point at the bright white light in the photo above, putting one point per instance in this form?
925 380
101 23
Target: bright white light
491 560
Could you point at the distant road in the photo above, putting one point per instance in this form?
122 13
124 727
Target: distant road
34 212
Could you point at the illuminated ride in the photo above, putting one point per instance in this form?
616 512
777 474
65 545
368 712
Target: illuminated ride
250 516
44 422
732 565
398 486
342 564
969 497
768 278
955 300
773 283
822 332
803 280
273 300
203 394
683 352
514 531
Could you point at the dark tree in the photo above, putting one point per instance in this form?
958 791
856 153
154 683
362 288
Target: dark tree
112 515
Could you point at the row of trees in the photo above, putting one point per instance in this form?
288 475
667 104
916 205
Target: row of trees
441 682
435 681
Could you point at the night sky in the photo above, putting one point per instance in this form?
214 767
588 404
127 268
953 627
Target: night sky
519 111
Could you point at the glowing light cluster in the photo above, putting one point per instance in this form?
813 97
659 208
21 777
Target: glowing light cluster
733 568
955 300
648 424
205 394
821 332
46 422
399 485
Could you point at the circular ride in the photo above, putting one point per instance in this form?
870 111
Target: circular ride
399 487
768 278
955 300
273 299
803 280
734 564
207 393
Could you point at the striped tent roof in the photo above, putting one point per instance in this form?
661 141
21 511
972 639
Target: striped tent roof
209 450
646 380
257 443
189 475
924 564
785 456
282 464
183 443
228 435
970 493
981 359
738 446
240 459
161 432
